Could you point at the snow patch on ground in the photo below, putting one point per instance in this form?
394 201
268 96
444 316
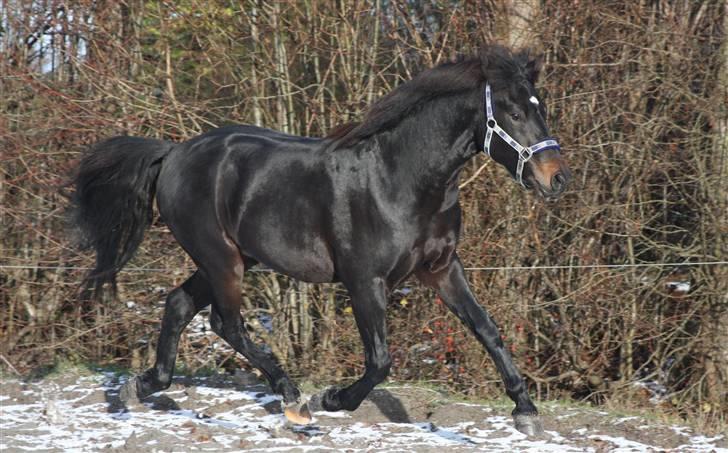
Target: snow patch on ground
219 415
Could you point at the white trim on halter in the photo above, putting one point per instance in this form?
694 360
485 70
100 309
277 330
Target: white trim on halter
524 153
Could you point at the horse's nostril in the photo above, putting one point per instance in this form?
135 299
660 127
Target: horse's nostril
558 182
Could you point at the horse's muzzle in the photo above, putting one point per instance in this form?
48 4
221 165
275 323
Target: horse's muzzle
550 178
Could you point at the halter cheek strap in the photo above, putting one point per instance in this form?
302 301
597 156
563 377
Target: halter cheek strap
524 152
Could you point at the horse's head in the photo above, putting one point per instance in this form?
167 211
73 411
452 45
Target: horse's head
516 134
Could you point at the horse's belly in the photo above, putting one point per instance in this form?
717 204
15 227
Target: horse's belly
309 267
310 263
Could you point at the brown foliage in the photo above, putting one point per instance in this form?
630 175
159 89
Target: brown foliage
636 92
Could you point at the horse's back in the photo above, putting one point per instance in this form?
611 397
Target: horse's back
196 165
256 132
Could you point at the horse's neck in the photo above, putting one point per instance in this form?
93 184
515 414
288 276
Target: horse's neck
427 151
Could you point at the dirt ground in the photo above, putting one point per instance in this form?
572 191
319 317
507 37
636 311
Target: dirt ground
74 412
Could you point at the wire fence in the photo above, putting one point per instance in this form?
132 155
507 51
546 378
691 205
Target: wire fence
474 269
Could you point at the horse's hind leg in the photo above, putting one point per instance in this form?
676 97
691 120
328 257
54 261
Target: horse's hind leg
226 321
182 304
258 357
224 270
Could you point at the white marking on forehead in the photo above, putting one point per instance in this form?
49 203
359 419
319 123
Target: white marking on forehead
533 100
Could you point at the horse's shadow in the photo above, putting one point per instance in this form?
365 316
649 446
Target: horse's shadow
392 408
388 404
161 402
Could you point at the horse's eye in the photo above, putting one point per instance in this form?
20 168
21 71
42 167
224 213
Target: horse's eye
515 116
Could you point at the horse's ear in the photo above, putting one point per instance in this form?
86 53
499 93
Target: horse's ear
491 59
532 64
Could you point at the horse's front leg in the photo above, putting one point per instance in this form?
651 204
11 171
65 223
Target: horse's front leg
368 302
455 292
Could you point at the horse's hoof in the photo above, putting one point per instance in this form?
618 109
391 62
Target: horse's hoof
297 413
529 425
129 393
330 400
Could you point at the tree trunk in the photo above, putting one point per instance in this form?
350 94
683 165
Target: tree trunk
716 362
519 25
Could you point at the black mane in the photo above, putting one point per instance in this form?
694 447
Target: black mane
496 64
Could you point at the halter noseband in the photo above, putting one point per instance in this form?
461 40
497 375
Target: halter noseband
524 152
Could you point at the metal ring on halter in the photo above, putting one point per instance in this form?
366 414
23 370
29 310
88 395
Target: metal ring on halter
524 152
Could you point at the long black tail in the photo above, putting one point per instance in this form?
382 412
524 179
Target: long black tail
112 206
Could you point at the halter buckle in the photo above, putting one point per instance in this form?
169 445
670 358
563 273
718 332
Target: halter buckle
525 154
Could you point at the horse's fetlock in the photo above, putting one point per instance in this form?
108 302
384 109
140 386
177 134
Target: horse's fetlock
287 390
525 408
380 369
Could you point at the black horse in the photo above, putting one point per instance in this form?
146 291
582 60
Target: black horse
367 206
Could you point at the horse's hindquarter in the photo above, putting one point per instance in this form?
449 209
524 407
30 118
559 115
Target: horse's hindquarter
261 189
